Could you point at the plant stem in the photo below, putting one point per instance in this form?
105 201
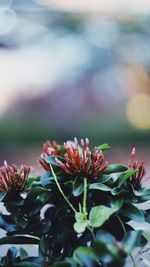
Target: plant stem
61 191
124 229
85 199
121 222
91 231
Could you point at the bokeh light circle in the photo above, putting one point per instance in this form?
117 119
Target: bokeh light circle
138 111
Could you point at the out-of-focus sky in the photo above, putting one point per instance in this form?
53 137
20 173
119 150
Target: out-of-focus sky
104 7
74 68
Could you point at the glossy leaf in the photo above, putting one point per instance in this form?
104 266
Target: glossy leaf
85 256
51 160
147 215
2 196
99 215
99 186
80 226
103 147
108 249
116 168
145 196
116 203
32 181
78 187
11 254
20 220
8 224
131 241
126 176
145 229
41 228
133 213
43 246
118 191
46 179
104 236
104 178
34 193
35 200
23 253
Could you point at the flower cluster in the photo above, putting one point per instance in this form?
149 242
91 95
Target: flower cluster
49 149
12 178
136 178
81 162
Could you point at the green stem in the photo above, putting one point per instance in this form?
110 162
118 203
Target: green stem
61 191
124 229
85 199
85 208
92 232
121 222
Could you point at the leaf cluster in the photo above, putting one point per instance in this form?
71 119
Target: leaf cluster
75 221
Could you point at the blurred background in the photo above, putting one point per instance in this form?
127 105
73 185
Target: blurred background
74 68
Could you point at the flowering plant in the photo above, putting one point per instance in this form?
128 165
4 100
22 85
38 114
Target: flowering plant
78 212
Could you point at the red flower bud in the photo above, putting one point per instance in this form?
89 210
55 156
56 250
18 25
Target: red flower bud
12 178
82 162
49 149
136 179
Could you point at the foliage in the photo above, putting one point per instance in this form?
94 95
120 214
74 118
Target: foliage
80 220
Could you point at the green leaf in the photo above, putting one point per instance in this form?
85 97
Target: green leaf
107 250
115 176
78 187
103 147
34 193
23 253
115 168
32 180
2 196
44 243
35 200
145 196
105 237
79 216
117 191
139 192
99 186
131 241
81 252
147 215
19 239
11 254
63 150
132 213
104 178
43 197
51 160
116 203
145 231
7 223
99 215
126 176
20 220
80 226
